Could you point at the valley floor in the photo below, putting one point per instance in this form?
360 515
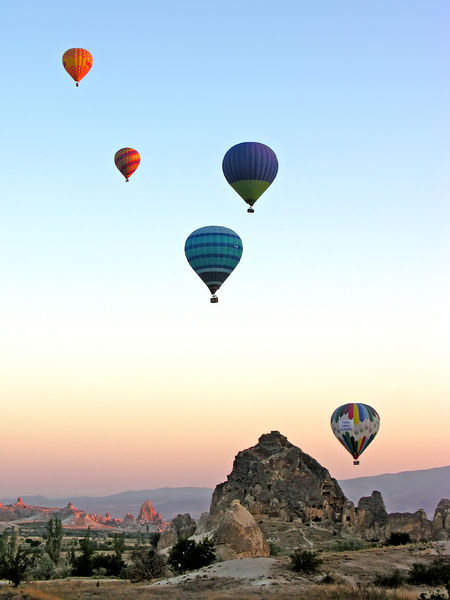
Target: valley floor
352 573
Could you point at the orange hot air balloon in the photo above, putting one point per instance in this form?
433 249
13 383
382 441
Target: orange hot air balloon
127 161
77 62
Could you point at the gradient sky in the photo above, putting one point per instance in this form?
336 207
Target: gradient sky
115 370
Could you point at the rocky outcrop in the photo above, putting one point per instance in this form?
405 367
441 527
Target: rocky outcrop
441 520
295 501
150 518
372 517
276 480
237 534
129 520
417 525
181 526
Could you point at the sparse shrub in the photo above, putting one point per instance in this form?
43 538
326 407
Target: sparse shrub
188 555
436 573
274 550
393 580
329 578
305 561
398 538
432 596
147 565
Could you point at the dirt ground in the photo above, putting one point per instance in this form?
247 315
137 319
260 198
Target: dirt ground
352 574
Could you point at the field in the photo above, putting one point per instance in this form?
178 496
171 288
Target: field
350 573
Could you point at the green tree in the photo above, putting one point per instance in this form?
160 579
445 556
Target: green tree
119 544
54 539
188 555
82 565
146 565
15 561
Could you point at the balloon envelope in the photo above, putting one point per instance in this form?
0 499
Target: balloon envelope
250 167
213 252
77 62
127 161
355 426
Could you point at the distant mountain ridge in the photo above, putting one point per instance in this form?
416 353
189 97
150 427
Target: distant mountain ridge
406 491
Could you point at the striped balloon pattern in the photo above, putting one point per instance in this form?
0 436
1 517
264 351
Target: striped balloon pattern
77 62
250 167
355 426
127 161
213 252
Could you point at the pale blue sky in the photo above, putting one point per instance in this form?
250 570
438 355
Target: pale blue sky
343 288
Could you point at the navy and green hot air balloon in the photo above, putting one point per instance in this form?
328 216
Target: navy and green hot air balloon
213 252
250 168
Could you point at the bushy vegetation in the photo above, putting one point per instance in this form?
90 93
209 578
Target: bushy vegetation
147 565
391 580
398 538
274 549
436 573
188 555
91 563
433 596
305 561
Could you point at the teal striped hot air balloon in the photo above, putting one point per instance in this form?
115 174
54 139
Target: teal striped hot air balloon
213 252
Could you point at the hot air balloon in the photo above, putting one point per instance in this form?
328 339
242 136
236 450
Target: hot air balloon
213 252
127 161
355 426
77 62
250 168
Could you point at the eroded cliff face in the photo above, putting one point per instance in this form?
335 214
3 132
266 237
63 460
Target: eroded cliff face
370 521
276 480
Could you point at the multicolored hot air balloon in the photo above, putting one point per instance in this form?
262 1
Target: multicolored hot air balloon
77 62
250 168
127 161
213 252
355 426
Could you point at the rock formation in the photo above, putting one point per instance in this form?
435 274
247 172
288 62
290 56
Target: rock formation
75 518
181 526
441 521
129 521
237 535
149 517
294 501
276 480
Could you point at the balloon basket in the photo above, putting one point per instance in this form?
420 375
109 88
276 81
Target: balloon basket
214 299
356 462
250 210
